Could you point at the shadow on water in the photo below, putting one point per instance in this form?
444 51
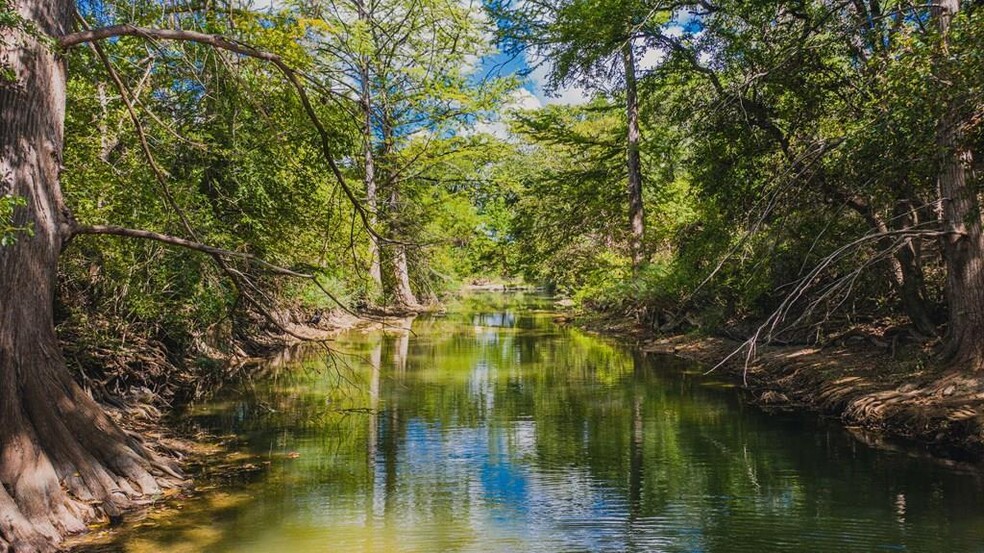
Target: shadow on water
493 429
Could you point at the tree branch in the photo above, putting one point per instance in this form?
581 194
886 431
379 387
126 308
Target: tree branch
205 248
185 243
218 41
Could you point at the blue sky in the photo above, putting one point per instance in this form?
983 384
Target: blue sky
506 64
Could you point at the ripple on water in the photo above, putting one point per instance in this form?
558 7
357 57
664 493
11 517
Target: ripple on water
492 430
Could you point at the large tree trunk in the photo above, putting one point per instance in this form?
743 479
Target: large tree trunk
633 161
401 293
60 454
963 249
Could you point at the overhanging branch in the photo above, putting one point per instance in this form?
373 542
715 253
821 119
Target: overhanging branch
188 244
218 41
213 251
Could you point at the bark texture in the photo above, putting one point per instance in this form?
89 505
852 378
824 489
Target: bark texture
396 266
633 160
63 461
960 211
401 294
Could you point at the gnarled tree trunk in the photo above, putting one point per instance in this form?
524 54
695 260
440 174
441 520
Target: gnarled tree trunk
963 248
60 454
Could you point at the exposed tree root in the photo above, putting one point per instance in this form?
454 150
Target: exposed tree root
64 462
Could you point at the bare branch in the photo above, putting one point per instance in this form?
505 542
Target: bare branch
103 33
184 243
765 332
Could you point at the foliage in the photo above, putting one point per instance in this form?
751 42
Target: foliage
783 146
8 228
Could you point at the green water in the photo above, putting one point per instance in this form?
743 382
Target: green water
494 429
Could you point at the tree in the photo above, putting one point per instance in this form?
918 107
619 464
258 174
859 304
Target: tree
588 42
53 433
567 213
960 213
410 66
60 454
810 82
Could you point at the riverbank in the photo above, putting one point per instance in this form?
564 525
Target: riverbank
889 393
205 459
489 427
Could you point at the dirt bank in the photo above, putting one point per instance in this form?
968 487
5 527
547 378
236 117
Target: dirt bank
894 394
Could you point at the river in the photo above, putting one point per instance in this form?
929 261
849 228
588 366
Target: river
491 428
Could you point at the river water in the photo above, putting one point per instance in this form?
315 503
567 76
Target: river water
492 428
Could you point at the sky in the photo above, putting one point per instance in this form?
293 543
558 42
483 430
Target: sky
533 93
535 82
537 73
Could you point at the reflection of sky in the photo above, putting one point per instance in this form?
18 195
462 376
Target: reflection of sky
486 473
481 385
505 319
465 460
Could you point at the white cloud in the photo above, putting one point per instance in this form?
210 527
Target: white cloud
267 5
421 134
520 99
674 31
653 57
570 96
470 63
497 129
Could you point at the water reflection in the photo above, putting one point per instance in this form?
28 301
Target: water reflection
492 429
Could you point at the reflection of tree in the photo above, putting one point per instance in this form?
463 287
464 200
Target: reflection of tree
372 432
375 368
553 430
635 460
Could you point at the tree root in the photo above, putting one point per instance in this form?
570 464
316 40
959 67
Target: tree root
65 463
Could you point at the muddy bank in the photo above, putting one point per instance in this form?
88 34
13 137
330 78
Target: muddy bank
884 393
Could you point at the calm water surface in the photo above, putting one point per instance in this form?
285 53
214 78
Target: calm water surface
494 429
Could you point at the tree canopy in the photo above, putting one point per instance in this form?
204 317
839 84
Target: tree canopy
201 175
